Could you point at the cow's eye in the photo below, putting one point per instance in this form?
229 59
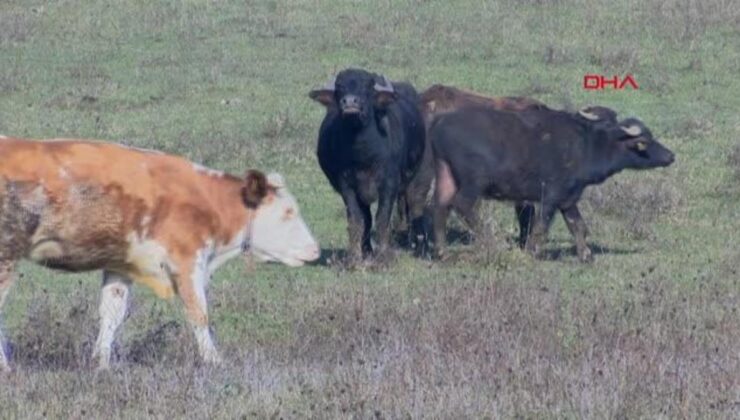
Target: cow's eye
288 214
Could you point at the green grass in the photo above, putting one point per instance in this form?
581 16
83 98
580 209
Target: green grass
649 330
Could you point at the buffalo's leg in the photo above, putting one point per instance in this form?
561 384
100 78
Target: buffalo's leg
112 311
6 280
538 236
367 223
578 229
419 230
444 193
525 215
416 202
465 204
401 225
440 213
387 196
357 226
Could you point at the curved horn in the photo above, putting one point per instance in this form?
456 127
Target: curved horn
588 115
385 87
632 131
330 84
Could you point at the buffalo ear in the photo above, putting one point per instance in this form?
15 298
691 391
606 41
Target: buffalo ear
385 94
254 189
384 99
323 96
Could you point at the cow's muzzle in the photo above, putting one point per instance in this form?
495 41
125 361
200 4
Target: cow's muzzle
350 105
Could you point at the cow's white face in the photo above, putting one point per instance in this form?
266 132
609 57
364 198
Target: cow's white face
278 232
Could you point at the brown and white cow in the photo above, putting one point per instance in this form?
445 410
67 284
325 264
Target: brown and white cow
141 217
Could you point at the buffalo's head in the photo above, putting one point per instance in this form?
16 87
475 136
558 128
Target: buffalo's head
356 94
638 147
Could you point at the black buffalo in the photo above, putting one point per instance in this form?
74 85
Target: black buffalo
593 116
441 99
370 147
536 156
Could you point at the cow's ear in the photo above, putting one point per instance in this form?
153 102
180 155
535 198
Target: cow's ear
254 189
385 94
323 96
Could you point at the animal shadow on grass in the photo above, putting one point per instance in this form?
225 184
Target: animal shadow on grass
54 336
167 342
560 252
454 237
339 257
550 253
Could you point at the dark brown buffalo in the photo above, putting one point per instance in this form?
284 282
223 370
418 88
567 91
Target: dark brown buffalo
535 156
440 99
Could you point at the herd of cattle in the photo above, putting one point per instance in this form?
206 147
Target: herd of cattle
381 141
162 221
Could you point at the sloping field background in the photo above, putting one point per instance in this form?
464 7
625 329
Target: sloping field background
651 329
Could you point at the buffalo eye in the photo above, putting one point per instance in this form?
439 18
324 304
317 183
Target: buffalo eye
640 147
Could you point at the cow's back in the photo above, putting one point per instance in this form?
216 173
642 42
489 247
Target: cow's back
92 205
146 175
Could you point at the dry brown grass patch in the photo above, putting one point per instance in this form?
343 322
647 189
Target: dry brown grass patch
514 343
638 202
733 161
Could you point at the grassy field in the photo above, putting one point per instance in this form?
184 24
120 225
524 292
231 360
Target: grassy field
650 330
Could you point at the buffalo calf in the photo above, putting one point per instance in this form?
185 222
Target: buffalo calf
441 99
536 156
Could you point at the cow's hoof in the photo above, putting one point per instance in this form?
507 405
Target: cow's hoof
421 247
355 263
213 359
423 253
534 250
586 255
440 255
384 259
102 368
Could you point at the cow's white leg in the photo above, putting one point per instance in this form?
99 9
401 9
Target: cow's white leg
193 294
6 280
113 304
